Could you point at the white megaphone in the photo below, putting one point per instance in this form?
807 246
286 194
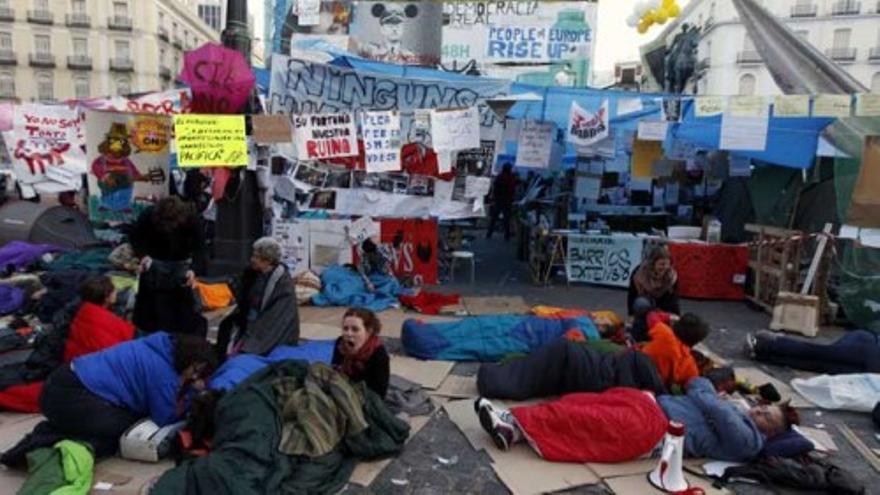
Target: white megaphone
668 475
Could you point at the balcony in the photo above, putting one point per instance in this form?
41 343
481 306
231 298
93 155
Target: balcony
41 17
846 7
7 14
842 54
177 42
165 72
78 20
122 64
749 57
8 57
119 23
79 62
163 34
804 10
44 60
874 55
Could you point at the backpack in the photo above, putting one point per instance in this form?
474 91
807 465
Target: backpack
808 473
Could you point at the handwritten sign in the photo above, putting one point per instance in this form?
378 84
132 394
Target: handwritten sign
791 106
653 130
839 106
603 260
455 129
362 229
43 137
269 129
708 106
535 144
747 106
210 140
325 136
868 105
293 235
476 187
381 131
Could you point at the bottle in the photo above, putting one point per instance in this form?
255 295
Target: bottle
713 232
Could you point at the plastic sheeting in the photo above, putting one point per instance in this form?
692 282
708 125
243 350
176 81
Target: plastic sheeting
858 392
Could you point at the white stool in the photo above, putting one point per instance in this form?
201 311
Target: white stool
464 256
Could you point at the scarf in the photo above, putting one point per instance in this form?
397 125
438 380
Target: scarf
353 364
649 285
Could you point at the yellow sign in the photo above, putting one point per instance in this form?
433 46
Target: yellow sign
210 140
644 154
708 106
791 106
868 105
747 106
149 134
839 106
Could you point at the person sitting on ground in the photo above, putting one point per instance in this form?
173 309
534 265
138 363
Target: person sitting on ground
621 425
654 284
670 347
97 397
856 352
359 352
373 260
93 328
266 315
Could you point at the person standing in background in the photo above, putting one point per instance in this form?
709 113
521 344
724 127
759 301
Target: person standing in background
503 192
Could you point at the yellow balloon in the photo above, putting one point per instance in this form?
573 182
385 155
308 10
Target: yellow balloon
674 10
649 17
642 29
661 17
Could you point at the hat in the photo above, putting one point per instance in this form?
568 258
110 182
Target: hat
117 131
393 15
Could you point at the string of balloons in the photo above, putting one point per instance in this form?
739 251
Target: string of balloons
646 13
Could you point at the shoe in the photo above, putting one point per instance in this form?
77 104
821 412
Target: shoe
751 343
480 403
501 432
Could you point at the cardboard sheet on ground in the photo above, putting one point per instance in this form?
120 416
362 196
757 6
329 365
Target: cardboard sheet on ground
461 387
638 484
822 440
477 306
429 374
319 331
524 473
366 472
461 412
756 376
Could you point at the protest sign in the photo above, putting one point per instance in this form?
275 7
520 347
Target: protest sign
210 140
43 137
128 163
708 106
381 132
586 128
477 161
476 187
408 33
325 136
413 243
535 144
328 244
270 129
791 106
361 229
653 130
603 260
868 105
588 188
828 105
455 129
293 235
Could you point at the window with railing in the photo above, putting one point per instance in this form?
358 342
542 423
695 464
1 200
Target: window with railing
5 41
81 88
45 86
78 6
747 85
41 4
7 84
42 44
846 7
123 86
123 50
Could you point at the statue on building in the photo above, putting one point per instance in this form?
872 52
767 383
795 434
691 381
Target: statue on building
681 59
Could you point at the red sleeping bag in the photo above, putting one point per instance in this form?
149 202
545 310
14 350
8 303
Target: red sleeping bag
618 425
93 328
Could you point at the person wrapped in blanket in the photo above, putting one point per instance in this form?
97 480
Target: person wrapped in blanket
653 286
624 424
374 259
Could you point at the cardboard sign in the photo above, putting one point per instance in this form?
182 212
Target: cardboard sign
708 106
603 260
864 208
838 106
586 128
868 105
535 144
455 129
45 137
270 129
210 140
791 106
328 244
319 137
381 132
414 243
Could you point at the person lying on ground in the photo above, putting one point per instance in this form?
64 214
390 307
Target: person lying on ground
563 367
266 315
670 346
373 259
93 328
856 352
359 352
97 397
621 425
654 284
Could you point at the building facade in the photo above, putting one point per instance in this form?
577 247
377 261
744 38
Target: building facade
847 31
61 49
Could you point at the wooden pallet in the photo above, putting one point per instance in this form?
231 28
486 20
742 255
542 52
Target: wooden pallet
774 261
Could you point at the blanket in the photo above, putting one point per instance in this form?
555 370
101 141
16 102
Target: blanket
237 369
563 367
489 338
19 255
246 458
429 303
344 287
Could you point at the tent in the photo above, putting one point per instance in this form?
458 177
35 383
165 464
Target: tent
45 224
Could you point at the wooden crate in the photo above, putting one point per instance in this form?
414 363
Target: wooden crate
774 262
797 313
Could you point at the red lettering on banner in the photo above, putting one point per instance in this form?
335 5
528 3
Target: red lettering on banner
327 148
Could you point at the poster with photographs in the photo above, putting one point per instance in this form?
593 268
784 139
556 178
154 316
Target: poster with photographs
127 159
477 161
408 33
339 178
310 175
420 185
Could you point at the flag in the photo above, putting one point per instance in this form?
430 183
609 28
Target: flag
585 128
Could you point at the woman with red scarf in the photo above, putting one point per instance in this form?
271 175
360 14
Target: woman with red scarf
359 352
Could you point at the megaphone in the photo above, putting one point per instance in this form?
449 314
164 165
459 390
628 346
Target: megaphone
668 476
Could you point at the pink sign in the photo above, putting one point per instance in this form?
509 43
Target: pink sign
221 79
45 137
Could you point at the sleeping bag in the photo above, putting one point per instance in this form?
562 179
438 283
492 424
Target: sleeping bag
618 425
563 367
489 338
237 369
344 287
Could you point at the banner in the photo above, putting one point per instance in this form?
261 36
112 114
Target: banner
407 33
170 102
210 140
128 163
455 129
381 132
586 128
414 244
46 137
535 144
603 260
300 87
325 136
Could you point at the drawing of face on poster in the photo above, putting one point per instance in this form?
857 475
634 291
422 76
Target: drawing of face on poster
128 163
407 33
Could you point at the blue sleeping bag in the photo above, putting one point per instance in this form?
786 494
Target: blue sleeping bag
342 286
239 368
488 338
